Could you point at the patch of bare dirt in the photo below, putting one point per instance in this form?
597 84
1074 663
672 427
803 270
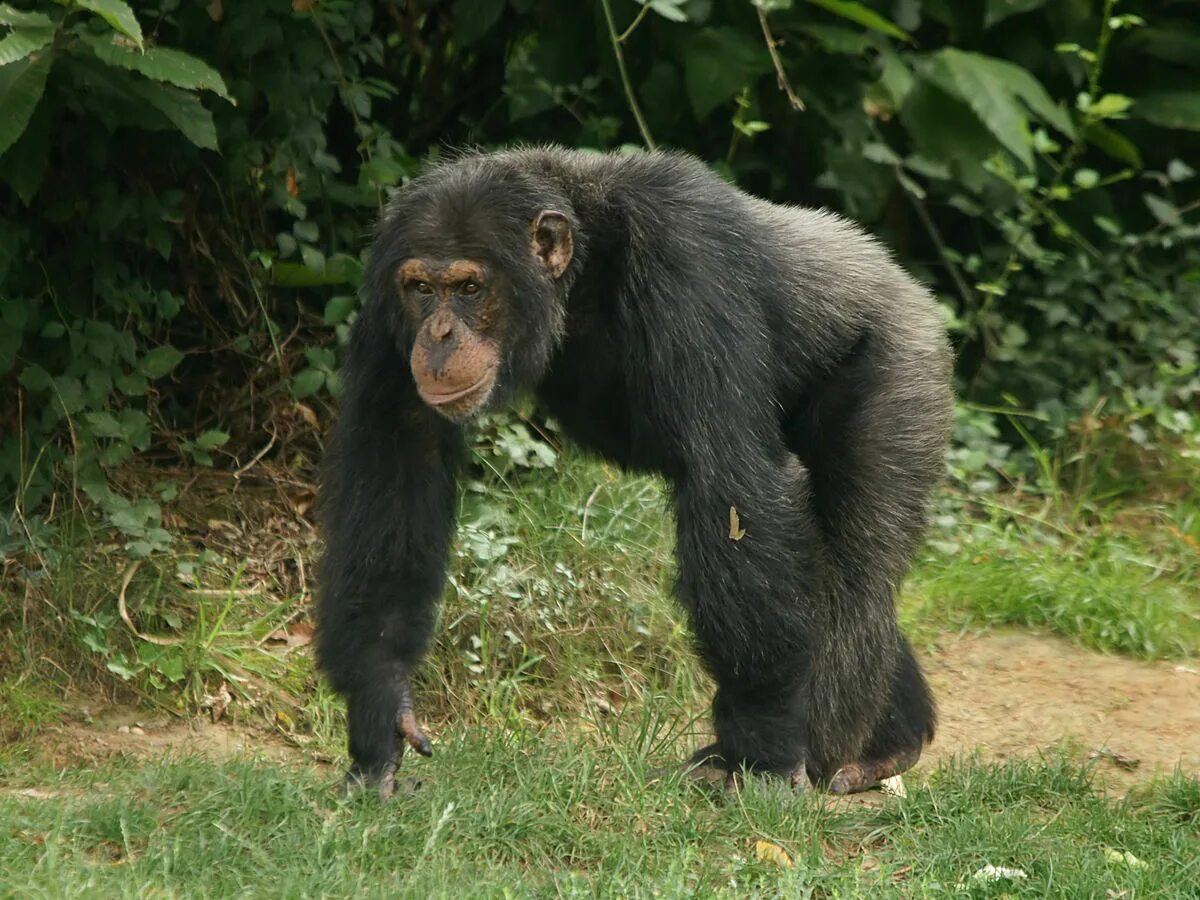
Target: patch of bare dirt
1003 695
120 731
1013 694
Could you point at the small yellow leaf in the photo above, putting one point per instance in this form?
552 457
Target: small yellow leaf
1123 858
736 531
767 852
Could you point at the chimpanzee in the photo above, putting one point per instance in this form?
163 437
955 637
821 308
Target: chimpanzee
767 360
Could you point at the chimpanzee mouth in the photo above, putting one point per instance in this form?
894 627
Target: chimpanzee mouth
440 399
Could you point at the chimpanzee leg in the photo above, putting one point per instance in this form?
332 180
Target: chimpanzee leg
898 736
388 509
754 601
873 440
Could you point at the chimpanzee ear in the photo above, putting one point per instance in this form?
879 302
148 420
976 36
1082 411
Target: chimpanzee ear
552 242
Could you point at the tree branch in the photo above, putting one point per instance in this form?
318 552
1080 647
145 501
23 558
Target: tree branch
629 95
780 74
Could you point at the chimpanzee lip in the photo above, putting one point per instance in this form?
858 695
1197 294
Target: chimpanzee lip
438 399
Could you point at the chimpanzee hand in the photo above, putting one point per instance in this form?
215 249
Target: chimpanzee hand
383 778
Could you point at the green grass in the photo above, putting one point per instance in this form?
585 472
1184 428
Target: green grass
561 673
561 582
516 815
1108 590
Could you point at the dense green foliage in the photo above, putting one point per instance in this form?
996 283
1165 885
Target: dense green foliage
185 191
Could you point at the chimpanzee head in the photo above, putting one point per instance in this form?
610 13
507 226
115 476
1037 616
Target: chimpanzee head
474 261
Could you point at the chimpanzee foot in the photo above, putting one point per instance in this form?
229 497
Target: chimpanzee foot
383 779
382 782
862 776
708 766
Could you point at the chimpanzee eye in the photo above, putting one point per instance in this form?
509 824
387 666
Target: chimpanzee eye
470 287
424 287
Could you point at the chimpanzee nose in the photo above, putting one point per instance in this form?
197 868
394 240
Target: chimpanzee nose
441 328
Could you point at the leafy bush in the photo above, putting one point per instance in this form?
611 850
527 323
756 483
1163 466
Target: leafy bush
187 190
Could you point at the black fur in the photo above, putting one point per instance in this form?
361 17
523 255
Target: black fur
767 358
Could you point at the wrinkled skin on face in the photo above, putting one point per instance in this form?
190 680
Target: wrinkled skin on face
455 360
458 353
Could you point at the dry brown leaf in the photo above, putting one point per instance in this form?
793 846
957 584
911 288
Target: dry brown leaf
293 188
765 851
218 702
306 413
299 634
1121 762
736 531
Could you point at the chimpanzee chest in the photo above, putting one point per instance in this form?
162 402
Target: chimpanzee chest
586 391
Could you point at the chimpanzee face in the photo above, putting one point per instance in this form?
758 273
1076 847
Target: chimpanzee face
465 321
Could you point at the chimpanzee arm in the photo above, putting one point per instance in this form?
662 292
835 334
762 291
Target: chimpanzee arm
388 508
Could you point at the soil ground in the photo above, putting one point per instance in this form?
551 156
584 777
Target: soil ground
1012 694
1000 695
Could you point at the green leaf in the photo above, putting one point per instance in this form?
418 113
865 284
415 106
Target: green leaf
15 18
1170 109
159 64
992 88
1030 90
858 13
1113 143
171 667
999 10
307 383
117 14
69 393
895 77
305 231
211 439
1110 106
668 9
135 426
35 378
132 385
118 666
1163 211
183 110
21 87
160 361
313 258
1171 41
473 19
944 130
718 63
836 39
25 163
1178 170
23 41
338 309
960 74
338 269
105 425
